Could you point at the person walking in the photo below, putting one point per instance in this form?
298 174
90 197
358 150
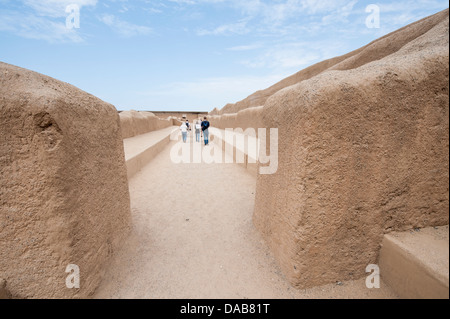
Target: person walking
198 130
205 129
184 131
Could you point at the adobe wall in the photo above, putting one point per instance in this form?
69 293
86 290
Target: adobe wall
248 118
191 116
135 123
64 190
361 153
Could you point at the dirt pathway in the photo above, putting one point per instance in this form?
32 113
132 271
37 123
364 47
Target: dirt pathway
193 237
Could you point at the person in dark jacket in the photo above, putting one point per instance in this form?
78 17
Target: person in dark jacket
205 130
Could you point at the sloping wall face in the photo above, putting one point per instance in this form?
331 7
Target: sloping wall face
361 153
248 118
64 196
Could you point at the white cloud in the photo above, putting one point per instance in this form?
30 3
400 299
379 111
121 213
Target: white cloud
280 11
38 28
290 56
408 6
153 10
245 47
401 13
56 8
183 1
124 28
281 17
340 15
323 6
45 21
227 29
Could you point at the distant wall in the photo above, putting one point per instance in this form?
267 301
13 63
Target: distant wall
191 116
63 190
135 123
248 118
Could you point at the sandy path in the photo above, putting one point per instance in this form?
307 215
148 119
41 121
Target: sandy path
193 237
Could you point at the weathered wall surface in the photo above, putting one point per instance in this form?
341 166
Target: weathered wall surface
4 293
375 50
361 153
135 123
248 118
63 194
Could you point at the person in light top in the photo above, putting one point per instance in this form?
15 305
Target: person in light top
184 131
198 131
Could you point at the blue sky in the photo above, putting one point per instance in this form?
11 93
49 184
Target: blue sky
188 54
